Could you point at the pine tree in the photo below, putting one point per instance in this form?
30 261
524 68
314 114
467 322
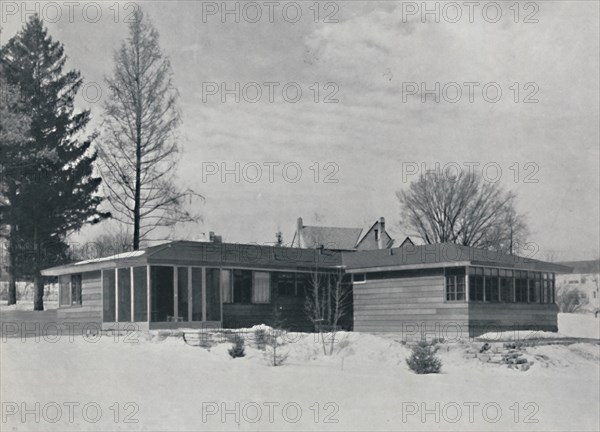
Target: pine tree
55 194
14 130
238 348
423 359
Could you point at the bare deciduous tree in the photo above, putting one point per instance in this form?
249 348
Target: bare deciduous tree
139 151
571 300
465 210
327 301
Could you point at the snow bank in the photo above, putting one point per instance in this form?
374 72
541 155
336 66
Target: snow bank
164 384
579 325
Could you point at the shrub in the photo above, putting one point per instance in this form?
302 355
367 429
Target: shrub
423 359
237 349
571 300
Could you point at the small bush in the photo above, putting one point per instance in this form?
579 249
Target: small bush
237 349
423 359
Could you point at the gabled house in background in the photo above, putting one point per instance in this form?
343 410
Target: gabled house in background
342 239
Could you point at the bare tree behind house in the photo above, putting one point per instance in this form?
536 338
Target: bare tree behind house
327 302
139 152
465 210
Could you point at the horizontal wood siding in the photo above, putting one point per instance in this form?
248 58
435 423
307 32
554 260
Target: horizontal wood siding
415 305
486 317
90 311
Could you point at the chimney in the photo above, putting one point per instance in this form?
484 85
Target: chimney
381 233
299 226
214 238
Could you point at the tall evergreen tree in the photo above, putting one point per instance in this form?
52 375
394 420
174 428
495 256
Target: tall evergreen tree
54 192
14 132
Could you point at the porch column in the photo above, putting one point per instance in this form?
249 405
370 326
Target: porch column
149 305
175 294
132 294
116 295
203 293
189 292
467 284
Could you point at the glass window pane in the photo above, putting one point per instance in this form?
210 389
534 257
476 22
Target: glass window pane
226 287
64 286
213 294
261 289
76 289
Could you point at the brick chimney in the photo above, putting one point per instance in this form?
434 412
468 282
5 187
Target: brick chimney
299 226
381 233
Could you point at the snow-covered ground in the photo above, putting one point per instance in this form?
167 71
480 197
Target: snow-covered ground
156 383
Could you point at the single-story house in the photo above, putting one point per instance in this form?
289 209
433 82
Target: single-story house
198 284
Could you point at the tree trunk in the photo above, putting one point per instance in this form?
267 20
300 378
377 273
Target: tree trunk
12 281
38 296
138 159
38 282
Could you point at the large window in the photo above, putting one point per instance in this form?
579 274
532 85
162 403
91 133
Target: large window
455 286
492 283
547 295
506 286
246 286
76 289
64 288
213 294
286 284
475 284
242 286
261 289
534 287
226 286
521 286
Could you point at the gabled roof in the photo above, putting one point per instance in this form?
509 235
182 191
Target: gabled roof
329 237
440 255
388 243
583 267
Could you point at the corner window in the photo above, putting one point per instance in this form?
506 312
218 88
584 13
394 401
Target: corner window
491 284
506 286
476 284
455 284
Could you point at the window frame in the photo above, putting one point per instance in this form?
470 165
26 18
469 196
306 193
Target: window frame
268 279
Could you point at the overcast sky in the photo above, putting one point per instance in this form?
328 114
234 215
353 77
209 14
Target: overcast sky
363 140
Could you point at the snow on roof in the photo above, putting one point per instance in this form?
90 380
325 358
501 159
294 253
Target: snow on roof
132 254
